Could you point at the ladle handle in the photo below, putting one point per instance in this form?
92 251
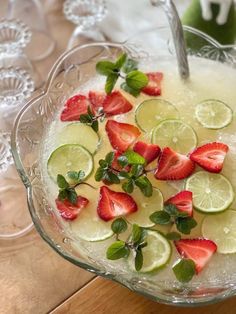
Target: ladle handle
177 34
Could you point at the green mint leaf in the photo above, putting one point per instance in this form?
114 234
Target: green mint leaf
119 225
171 209
130 65
90 113
121 61
117 250
138 261
122 161
109 158
105 67
111 82
103 163
81 175
128 186
94 125
182 214
173 236
124 175
136 234
100 174
136 79
136 170
184 270
73 175
142 245
72 196
144 185
185 225
131 91
160 218
63 194
134 158
85 118
61 182
112 177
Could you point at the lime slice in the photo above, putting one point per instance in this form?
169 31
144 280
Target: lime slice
146 206
221 229
213 114
70 157
150 112
78 133
155 255
175 134
212 192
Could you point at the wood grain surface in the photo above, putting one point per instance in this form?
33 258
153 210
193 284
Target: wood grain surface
101 296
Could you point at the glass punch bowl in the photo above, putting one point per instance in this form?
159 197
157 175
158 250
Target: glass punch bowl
71 70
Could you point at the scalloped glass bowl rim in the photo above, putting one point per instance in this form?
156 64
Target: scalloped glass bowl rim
19 166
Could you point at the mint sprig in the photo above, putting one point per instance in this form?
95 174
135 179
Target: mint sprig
126 69
171 215
184 270
91 119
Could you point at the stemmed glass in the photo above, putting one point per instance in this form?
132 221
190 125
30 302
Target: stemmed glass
85 14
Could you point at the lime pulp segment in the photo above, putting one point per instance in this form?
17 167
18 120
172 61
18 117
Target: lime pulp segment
78 133
175 134
150 112
212 192
221 228
70 157
213 114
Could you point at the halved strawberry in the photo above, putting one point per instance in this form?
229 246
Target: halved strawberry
70 211
97 99
153 88
183 201
115 103
173 166
199 250
74 107
121 135
210 156
113 204
148 151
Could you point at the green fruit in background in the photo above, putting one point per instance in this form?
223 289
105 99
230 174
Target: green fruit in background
224 34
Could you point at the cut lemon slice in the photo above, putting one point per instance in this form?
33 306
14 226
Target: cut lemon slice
155 255
213 114
146 206
150 112
70 157
78 133
212 192
175 134
221 229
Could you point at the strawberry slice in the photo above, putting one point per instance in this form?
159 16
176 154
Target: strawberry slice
115 103
199 250
70 211
97 99
210 156
74 107
153 88
173 166
113 204
148 151
183 201
121 135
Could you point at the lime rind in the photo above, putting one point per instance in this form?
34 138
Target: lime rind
69 157
212 192
175 134
213 114
150 112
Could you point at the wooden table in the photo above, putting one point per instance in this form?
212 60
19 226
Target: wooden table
36 280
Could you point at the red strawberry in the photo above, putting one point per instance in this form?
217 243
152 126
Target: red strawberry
183 201
210 156
148 151
121 135
173 166
153 88
113 204
74 107
115 103
199 250
70 211
97 99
